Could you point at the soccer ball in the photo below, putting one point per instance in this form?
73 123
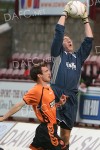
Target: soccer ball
77 9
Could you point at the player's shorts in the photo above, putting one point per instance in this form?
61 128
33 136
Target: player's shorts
46 137
66 114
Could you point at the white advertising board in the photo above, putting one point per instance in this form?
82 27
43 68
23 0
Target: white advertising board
44 7
89 106
22 134
12 93
5 127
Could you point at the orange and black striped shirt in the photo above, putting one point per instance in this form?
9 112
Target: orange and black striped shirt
42 100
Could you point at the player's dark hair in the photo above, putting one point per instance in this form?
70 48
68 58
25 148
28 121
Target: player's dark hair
36 69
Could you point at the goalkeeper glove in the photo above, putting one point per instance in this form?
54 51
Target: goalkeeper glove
66 10
85 17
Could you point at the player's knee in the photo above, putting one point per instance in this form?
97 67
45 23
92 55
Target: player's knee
66 136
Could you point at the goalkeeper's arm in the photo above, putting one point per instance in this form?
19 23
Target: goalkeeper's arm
64 15
88 30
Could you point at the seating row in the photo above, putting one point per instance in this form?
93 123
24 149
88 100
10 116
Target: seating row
14 74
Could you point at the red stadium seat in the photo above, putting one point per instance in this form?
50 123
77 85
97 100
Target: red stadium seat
28 61
15 74
34 55
2 73
27 56
93 59
21 57
8 73
34 58
40 57
47 58
27 74
98 60
21 74
95 70
15 56
88 70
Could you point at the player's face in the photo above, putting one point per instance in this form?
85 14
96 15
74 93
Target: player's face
67 44
46 75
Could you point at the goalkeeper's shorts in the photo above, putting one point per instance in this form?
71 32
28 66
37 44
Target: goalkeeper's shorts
66 114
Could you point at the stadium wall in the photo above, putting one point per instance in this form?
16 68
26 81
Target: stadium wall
36 34
5 47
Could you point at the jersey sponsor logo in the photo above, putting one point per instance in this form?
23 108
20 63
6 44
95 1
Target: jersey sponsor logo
52 104
71 65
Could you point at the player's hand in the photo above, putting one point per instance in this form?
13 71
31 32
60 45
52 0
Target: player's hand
66 10
62 101
2 119
84 17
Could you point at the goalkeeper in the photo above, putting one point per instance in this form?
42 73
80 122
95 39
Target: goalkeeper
66 70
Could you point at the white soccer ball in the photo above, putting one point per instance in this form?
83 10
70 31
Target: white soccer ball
77 9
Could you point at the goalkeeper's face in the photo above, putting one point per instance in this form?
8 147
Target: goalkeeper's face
67 44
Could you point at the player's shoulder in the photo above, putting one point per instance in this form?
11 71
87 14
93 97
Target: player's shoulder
36 89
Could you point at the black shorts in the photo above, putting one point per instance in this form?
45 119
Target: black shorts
46 137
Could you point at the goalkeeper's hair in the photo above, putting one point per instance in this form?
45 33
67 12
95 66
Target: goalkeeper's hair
66 35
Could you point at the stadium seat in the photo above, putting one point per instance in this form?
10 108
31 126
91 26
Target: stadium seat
34 58
28 60
21 74
2 73
21 57
40 57
47 58
8 73
34 55
98 60
15 74
15 56
93 59
27 74
88 70
27 56
95 70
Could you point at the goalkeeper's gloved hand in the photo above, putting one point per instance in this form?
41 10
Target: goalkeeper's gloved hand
85 17
66 10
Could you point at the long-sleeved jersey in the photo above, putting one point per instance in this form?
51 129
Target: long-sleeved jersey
66 67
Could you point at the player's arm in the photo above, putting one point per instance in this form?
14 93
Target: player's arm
86 45
88 30
59 33
13 110
58 37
